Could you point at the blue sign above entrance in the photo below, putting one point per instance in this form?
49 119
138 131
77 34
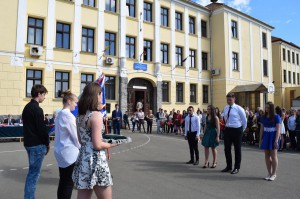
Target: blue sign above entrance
140 66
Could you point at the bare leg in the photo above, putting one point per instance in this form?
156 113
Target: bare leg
206 153
103 192
268 161
215 153
84 194
282 141
274 162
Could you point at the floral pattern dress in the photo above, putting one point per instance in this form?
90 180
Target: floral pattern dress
91 168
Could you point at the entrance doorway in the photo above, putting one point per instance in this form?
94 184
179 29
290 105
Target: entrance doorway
141 90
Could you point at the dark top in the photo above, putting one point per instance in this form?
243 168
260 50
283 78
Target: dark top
35 130
117 114
125 117
297 122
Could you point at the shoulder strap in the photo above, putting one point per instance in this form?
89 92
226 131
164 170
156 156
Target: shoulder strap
88 118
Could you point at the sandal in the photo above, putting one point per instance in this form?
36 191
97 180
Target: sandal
214 165
205 165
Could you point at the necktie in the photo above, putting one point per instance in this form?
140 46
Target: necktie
228 114
190 125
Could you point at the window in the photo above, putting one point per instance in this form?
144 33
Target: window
283 54
164 17
111 5
192 58
234 32
284 76
61 83
62 35
290 79
289 56
131 7
203 28
130 47
179 92
178 56
110 87
147 50
33 77
178 21
264 40
164 48
87 40
193 93
265 67
297 59
165 91
147 11
204 61
89 3
205 94
35 31
235 61
110 40
298 79
294 78
192 25
85 80
293 57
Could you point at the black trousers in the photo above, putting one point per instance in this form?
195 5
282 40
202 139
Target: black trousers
193 144
126 122
65 186
292 135
149 127
141 123
233 136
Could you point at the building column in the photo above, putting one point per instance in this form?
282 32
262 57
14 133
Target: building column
140 14
158 96
229 44
123 82
186 43
50 30
172 45
100 33
261 55
240 47
251 53
77 32
199 50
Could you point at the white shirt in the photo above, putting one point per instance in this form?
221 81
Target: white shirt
292 123
200 118
195 125
66 146
141 115
237 117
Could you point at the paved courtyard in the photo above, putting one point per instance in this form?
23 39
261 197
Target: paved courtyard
152 167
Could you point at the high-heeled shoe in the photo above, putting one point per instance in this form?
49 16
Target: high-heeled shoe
214 165
205 165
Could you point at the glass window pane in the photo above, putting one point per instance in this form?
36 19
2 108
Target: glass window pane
58 40
57 89
66 41
38 74
82 85
31 35
29 86
91 45
83 77
67 28
31 21
65 86
113 5
58 75
29 73
90 78
91 32
59 27
39 36
65 76
112 48
39 23
84 44
37 82
84 31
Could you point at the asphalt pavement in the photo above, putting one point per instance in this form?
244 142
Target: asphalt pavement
153 167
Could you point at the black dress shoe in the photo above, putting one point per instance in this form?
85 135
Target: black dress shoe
197 162
190 162
226 170
235 171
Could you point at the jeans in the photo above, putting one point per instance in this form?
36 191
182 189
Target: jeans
133 126
36 156
117 127
65 186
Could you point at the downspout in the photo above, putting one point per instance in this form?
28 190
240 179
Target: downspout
211 57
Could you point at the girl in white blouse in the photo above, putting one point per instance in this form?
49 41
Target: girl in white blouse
66 147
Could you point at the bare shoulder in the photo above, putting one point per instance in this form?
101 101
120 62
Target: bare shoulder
96 116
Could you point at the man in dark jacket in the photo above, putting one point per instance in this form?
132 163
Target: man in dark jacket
117 119
36 139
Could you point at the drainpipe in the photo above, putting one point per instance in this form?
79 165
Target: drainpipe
211 57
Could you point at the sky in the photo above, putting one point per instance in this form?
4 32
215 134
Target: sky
284 16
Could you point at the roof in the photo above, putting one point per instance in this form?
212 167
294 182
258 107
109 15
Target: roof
215 6
276 39
195 4
250 88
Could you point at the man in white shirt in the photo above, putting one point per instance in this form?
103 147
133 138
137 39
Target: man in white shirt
192 134
292 128
139 105
235 124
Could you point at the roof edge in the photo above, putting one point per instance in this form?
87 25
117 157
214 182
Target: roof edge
276 39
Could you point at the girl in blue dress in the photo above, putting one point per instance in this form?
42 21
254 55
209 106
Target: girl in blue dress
269 139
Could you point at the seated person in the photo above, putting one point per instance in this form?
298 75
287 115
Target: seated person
10 120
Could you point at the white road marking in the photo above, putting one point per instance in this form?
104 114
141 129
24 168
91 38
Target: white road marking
48 165
13 169
1 170
26 168
12 151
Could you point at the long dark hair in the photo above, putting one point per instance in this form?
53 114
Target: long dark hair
271 112
278 111
89 98
218 113
213 115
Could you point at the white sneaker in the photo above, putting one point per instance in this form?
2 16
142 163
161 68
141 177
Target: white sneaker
272 178
267 178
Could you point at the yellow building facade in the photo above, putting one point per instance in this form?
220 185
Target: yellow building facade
286 72
169 53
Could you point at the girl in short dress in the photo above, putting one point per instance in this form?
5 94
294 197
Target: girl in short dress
91 171
269 138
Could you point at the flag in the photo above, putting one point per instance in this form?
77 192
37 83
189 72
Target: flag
101 82
185 59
